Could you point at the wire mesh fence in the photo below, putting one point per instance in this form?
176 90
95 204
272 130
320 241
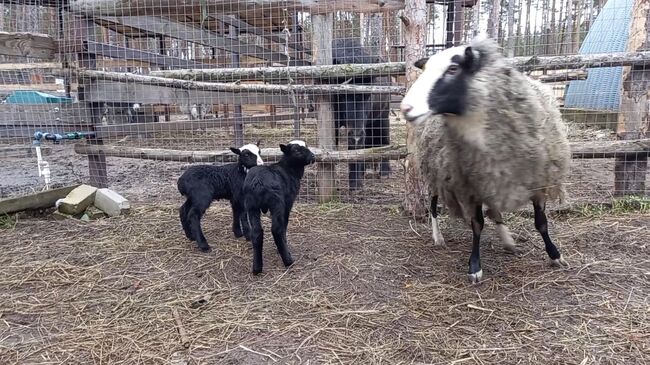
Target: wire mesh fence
158 85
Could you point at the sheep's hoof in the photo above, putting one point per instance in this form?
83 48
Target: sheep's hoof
475 277
238 234
511 248
288 262
257 271
439 242
560 262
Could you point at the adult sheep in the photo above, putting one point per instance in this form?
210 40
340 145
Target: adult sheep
502 142
365 116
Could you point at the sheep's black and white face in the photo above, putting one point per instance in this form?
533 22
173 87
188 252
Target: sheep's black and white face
249 155
442 86
297 153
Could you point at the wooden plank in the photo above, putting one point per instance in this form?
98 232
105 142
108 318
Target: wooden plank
28 45
610 149
118 131
112 51
30 66
132 92
323 33
38 87
162 7
23 151
165 27
238 88
41 200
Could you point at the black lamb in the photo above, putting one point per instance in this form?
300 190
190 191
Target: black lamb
202 184
273 189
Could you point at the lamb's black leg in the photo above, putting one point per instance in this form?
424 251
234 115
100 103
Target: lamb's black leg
279 224
194 215
475 271
355 175
236 218
438 239
384 168
184 221
257 238
541 223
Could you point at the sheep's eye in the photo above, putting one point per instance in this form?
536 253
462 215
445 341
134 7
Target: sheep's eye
452 70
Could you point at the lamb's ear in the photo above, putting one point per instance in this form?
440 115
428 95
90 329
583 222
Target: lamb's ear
236 151
284 148
470 60
258 142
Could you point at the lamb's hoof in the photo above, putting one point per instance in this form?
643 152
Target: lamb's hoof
205 248
475 278
439 242
238 234
512 249
257 271
288 262
559 262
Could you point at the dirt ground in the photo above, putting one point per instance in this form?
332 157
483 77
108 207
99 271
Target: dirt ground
367 286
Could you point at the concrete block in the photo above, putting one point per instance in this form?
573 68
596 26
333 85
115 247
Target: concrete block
78 200
111 202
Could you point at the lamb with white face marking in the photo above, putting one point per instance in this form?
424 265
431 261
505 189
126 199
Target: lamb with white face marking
491 137
274 188
202 184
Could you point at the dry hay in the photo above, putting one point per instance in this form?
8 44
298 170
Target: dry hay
365 288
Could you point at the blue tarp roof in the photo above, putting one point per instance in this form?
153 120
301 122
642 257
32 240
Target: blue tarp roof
35 97
609 33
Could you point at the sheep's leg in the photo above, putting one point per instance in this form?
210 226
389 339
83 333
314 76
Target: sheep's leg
194 215
257 238
541 223
438 239
505 237
279 224
236 218
184 221
475 271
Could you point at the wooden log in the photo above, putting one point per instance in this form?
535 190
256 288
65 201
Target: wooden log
124 53
270 154
189 7
237 113
562 76
30 66
274 74
323 33
634 121
236 87
415 21
40 200
581 61
579 150
28 45
7 88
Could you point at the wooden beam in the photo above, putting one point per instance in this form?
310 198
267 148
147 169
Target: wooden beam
163 7
136 92
28 45
30 66
40 200
123 53
270 154
39 87
118 131
43 114
322 36
611 149
580 61
238 88
166 27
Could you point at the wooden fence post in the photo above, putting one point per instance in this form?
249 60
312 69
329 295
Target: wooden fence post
322 27
634 116
237 113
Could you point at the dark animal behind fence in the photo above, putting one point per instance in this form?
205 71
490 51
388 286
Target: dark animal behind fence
365 116
274 189
202 184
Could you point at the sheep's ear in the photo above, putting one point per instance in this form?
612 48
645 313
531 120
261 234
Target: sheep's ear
470 61
421 62
236 151
284 148
258 142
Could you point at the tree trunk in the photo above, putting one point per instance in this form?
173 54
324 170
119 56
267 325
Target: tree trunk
510 49
414 41
528 35
494 19
575 38
568 28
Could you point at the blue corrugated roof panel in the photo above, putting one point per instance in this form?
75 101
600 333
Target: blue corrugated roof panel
609 33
